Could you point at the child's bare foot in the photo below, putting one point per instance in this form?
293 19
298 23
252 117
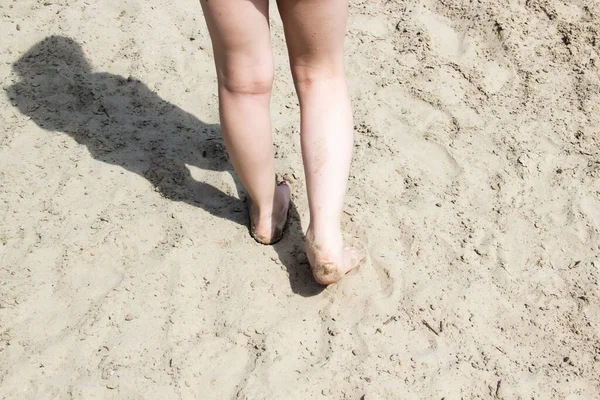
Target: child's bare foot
267 226
329 259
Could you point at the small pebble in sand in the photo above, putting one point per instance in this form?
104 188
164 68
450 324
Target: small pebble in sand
18 27
129 317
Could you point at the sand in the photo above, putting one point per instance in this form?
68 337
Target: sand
126 268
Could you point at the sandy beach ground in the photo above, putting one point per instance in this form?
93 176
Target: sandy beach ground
126 268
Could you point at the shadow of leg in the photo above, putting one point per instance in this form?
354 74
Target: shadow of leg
293 257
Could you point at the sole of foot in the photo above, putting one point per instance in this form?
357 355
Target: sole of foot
329 264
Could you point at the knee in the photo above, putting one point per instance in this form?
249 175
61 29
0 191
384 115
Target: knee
306 77
251 80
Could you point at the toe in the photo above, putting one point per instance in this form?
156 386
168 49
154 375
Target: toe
352 258
285 189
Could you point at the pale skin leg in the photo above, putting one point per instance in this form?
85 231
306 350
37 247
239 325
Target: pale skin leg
315 31
240 34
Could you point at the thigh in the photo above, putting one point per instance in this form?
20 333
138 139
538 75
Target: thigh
240 34
314 31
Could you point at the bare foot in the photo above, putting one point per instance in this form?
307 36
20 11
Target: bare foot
330 260
268 227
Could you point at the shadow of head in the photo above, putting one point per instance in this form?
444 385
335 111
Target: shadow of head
51 55
123 122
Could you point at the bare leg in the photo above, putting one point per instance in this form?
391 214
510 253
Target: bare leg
315 31
240 34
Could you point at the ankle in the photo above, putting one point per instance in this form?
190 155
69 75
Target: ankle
326 236
269 206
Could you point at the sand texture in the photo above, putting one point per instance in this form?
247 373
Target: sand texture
126 267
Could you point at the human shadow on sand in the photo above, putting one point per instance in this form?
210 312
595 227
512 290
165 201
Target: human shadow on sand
122 122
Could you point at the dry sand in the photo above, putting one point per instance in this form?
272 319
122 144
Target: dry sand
127 271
